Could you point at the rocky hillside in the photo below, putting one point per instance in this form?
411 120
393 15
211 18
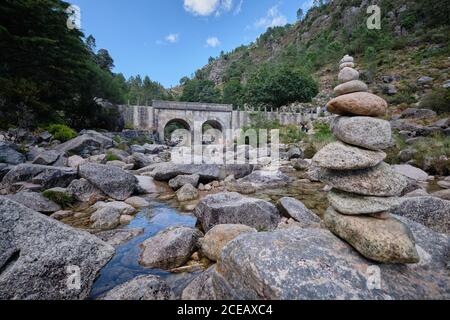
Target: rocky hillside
413 42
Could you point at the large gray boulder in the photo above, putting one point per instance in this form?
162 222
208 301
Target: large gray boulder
180 181
84 191
341 156
35 201
292 208
168 171
313 264
48 177
261 179
365 132
187 193
47 158
106 218
201 287
233 208
171 248
86 143
430 211
147 287
113 181
40 256
380 181
9 154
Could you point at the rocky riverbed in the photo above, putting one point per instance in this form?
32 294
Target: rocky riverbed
117 219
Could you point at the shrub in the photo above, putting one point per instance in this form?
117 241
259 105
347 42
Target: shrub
62 132
111 157
291 134
433 154
63 199
438 100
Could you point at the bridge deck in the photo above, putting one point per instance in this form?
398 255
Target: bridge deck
192 106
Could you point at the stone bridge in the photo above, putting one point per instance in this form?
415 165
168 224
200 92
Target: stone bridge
194 116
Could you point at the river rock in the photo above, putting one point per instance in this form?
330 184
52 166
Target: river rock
47 158
141 288
380 181
348 74
350 87
233 208
443 194
180 181
84 191
429 211
154 148
168 171
39 253
137 202
122 207
35 201
9 154
113 181
85 144
313 264
262 179
292 208
294 153
365 132
106 218
358 104
118 237
201 287
218 237
48 177
171 248
146 185
386 241
141 160
75 161
341 156
187 193
411 172
353 204
414 113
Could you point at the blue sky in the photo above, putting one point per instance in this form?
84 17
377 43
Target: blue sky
169 39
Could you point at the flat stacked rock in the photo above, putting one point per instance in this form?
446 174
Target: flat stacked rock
365 188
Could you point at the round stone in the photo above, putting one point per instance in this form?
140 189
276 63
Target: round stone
365 132
341 156
350 87
348 74
346 65
353 204
347 58
358 104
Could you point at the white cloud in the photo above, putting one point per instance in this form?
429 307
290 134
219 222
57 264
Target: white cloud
173 38
238 8
212 42
273 18
208 7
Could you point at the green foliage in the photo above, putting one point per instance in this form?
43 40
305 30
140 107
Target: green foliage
322 136
280 85
438 100
63 199
196 90
433 154
111 157
233 92
393 152
62 132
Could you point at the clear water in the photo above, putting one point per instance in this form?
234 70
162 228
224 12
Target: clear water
125 266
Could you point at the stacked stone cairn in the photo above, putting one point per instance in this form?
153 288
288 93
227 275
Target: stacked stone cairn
365 188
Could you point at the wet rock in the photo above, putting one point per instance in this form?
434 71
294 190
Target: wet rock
353 204
233 208
380 181
218 237
141 288
266 179
118 237
359 104
187 193
9 154
113 181
125 219
122 207
38 253
200 288
445 184
350 87
340 156
292 208
47 158
180 181
137 202
301 164
62 214
386 241
313 264
146 185
106 218
84 191
348 74
429 211
35 201
443 194
365 132
171 248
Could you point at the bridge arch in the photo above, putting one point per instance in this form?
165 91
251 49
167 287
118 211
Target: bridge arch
175 126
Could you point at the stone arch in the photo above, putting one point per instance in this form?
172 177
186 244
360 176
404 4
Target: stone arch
174 124
218 131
